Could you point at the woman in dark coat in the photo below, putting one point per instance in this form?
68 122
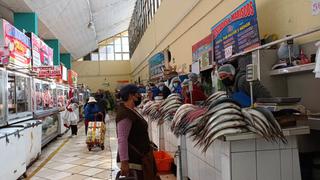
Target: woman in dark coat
133 138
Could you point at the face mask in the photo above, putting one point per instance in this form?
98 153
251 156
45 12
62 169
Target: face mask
227 82
161 88
175 85
137 102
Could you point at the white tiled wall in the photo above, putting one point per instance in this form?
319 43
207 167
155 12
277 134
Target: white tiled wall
244 166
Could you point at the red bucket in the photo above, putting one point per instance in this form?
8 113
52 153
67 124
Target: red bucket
163 161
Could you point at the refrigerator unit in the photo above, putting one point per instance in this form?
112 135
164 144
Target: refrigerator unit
33 136
13 152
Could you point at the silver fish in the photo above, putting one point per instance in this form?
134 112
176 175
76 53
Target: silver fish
223 132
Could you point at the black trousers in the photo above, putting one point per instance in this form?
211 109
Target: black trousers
74 129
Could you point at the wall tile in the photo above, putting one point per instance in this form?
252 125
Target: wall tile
286 164
243 166
262 144
268 165
292 143
296 165
243 145
225 167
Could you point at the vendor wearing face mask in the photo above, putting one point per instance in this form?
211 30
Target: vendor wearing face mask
176 85
238 87
164 90
197 91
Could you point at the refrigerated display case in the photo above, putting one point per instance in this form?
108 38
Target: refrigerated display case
2 99
18 97
33 134
46 108
13 152
62 97
50 128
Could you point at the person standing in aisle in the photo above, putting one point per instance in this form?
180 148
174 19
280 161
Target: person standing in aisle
90 111
164 90
71 117
176 85
134 147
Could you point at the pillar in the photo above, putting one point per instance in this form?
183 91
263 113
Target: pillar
27 21
66 59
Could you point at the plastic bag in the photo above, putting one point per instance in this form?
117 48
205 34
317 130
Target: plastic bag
107 118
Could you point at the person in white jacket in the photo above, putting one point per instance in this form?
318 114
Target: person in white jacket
71 118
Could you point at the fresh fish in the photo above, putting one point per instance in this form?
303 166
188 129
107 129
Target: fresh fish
222 100
223 133
220 118
224 125
214 97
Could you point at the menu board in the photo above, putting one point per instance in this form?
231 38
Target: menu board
156 65
237 32
15 46
42 54
202 52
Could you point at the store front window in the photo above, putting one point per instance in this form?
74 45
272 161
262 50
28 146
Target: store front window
18 94
46 95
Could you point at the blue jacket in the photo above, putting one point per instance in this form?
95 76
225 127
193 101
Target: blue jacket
90 110
155 92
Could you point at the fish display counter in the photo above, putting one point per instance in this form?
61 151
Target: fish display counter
220 139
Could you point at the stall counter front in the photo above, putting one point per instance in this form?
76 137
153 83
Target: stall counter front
247 156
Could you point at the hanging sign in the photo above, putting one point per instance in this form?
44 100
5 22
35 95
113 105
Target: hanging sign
72 78
202 52
239 29
64 73
48 72
42 54
15 46
156 65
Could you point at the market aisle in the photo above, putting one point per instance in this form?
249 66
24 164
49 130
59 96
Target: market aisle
73 161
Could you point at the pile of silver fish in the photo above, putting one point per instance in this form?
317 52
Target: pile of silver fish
169 107
151 109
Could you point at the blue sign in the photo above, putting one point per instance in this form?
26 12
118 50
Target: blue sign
156 64
239 29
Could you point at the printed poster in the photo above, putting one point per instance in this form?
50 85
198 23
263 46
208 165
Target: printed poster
156 65
239 29
202 53
15 46
42 54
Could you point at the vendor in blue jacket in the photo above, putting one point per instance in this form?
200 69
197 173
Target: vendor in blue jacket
91 111
237 86
176 85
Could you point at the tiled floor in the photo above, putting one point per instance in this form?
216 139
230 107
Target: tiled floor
74 162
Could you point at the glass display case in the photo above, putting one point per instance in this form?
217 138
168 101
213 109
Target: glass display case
2 98
45 94
19 97
50 126
60 96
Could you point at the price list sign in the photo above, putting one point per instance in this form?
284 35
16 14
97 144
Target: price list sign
237 32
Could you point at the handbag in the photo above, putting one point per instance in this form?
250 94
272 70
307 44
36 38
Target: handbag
148 165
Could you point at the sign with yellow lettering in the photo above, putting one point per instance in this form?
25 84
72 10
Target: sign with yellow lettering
238 32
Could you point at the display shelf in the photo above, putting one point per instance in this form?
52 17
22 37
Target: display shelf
299 130
294 69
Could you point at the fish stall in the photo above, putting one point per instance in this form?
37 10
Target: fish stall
224 141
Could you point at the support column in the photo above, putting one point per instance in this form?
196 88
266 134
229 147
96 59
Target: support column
55 45
66 59
27 21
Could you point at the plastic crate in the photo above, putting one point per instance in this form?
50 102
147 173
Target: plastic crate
163 161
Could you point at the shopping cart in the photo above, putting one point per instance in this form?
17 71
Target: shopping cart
132 176
96 132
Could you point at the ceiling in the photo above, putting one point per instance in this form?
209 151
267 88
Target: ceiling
68 20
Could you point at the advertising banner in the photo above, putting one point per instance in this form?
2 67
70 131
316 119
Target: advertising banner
202 53
72 78
64 73
48 71
237 32
15 47
156 65
42 54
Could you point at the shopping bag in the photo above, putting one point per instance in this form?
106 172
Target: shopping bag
107 118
